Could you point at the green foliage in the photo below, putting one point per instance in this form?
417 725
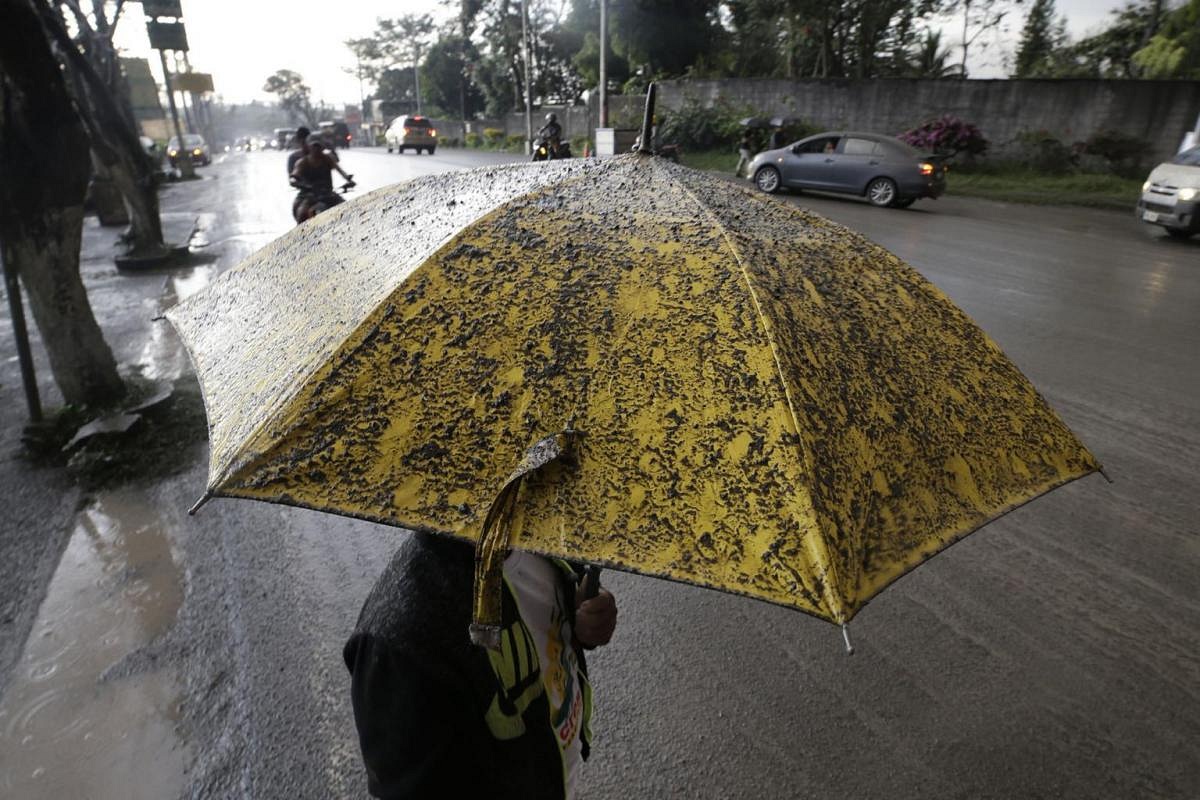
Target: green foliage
1041 39
294 95
493 137
444 84
1041 152
474 140
1173 52
1019 185
577 144
697 127
514 143
1122 152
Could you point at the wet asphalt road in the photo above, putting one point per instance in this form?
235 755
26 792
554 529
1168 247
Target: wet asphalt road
1053 654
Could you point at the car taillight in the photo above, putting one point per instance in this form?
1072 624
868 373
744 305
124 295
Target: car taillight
433 132
407 131
926 168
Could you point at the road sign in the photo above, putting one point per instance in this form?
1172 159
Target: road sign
167 35
162 8
198 82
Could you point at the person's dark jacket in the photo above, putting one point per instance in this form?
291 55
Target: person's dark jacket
421 690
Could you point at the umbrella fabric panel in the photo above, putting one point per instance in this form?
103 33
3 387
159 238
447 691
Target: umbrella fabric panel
630 321
264 327
916 428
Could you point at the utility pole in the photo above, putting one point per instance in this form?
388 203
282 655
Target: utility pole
603 64
21 334
417 75
528 87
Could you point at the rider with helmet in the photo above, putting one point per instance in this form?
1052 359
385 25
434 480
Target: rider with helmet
551 132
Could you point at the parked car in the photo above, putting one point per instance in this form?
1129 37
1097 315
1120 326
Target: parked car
411 131
885 170
195 148
1171 195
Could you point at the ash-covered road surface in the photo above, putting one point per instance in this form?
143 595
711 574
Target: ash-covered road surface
1053 654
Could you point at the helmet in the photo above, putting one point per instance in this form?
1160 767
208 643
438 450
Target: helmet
551 117
314 139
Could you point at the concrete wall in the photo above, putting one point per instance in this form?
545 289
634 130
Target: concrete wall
1158 112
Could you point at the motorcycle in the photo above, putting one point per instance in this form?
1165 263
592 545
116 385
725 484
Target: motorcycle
544 149
317 199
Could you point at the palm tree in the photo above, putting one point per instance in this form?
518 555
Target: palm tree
929 58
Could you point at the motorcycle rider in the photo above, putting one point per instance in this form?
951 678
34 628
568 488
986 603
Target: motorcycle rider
301 140
313 173
551 133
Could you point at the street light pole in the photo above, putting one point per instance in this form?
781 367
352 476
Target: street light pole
603 64
417 76
528 88
186 170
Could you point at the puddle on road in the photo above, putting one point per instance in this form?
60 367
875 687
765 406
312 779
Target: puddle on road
67 730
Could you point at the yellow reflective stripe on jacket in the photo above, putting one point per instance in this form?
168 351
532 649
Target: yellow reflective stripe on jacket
517 668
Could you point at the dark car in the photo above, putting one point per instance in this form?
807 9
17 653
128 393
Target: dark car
194 148
883 169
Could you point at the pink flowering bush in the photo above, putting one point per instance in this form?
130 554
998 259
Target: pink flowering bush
947 135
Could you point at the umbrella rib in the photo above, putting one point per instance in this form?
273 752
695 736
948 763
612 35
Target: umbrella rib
836 609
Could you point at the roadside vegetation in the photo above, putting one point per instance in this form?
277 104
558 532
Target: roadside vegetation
1103 171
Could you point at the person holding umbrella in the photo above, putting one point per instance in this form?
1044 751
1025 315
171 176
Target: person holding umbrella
440 717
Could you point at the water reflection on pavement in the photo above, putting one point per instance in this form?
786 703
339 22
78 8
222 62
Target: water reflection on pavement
89 713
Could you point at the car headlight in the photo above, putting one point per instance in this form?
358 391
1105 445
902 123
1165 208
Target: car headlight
1188 194
1146 186
196 152
172 153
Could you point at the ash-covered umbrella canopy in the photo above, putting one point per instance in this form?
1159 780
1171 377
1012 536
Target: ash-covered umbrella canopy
765 402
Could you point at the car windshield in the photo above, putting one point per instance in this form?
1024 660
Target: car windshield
417 123
190 140
1189 158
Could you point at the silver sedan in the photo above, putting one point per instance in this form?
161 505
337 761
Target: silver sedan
885 170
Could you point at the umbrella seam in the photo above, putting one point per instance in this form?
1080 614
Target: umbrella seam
839 613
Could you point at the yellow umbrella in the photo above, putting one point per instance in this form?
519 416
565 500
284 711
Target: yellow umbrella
624 362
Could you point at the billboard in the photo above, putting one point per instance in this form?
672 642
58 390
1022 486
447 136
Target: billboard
167 35
162 8
198 82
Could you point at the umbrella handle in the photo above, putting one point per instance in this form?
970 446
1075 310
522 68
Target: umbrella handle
589 585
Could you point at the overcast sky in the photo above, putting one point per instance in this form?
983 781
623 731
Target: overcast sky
241 42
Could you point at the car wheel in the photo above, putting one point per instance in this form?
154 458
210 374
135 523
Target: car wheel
904 202
390 149
430 150
767 179
400 149
881 192
1178 233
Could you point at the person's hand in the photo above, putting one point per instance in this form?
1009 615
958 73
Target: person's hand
596 619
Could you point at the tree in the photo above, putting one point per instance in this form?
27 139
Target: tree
446 77
399 42
928 58
44 166
1174 50
294 95
1109 54
1041 40
980 18
102 102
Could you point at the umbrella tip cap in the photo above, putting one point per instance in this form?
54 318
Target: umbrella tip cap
846 637
196 506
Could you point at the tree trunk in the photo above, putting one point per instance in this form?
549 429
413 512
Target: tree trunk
106 198
44 167
47 259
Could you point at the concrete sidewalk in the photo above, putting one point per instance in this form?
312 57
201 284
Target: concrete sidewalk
40 501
